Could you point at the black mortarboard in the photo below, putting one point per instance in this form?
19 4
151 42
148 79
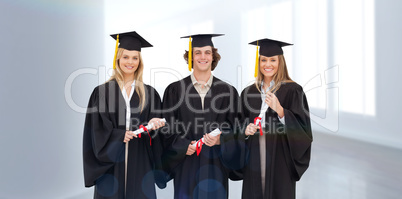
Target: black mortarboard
199 40
268 48
131 41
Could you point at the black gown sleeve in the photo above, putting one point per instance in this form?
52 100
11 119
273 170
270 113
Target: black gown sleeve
156 147
102 143
231 137
241 125
298 131
174 141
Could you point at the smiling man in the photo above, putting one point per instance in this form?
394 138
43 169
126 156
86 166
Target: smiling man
193 107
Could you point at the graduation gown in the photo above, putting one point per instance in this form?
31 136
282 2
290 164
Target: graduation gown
104 149
206 175
288 146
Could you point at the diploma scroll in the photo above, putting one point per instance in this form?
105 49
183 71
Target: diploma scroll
145 128
200 142
257 120
149 126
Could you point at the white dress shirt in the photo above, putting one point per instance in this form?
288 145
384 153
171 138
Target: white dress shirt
127 99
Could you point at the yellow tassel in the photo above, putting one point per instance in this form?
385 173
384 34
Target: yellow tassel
115 52
256 62
190 55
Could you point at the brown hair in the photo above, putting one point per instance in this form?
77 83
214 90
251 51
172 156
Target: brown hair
215 58
281 76
139 84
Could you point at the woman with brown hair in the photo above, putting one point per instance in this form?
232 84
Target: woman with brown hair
119 163
275 107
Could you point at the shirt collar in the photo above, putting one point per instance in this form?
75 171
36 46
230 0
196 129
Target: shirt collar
132 85
194 81
271 84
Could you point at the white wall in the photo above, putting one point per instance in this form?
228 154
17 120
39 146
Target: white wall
42 43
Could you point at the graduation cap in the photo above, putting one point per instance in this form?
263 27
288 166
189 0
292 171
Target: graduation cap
268 48
129 41
199 40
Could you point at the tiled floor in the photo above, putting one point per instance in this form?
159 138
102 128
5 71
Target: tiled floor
342 168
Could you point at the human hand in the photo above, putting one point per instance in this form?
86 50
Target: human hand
251 129
157 123
274 103
128 136
210 140
191 149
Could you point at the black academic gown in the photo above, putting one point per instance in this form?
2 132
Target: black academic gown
206 175
104 149
288 146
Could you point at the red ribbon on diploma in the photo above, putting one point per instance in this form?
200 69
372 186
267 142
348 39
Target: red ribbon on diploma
259 124
198 146
145 129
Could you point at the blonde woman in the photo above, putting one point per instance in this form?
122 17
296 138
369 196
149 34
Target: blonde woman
117 162
279 146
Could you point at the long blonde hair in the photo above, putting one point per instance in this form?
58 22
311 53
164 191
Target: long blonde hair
139 84
281 76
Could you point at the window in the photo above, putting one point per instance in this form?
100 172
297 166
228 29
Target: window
353 42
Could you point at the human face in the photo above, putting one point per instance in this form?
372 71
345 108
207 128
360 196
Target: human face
202 58
269 66
129 62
